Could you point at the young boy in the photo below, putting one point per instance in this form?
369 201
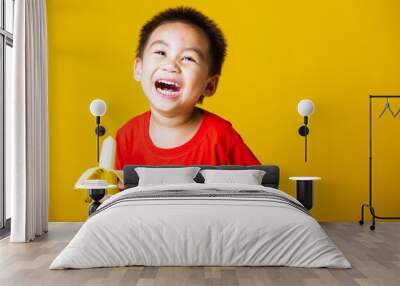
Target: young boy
178 62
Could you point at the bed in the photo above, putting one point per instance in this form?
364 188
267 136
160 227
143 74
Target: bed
201 224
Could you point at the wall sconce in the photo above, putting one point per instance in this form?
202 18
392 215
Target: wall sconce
98 108
305 109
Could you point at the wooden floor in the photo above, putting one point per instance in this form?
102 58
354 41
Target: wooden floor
375 257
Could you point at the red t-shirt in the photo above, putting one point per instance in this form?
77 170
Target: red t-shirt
215 143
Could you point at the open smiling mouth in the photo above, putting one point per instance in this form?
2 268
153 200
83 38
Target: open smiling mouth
167 88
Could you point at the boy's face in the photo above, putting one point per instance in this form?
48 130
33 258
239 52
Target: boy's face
174 69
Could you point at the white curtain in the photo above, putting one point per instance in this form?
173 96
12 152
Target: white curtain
26 124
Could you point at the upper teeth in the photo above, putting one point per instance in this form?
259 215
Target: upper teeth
169 82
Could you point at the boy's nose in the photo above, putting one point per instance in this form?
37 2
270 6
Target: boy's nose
170 67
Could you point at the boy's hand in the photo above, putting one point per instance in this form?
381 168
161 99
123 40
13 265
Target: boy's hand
121 185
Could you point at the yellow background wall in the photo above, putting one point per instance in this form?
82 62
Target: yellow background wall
333 52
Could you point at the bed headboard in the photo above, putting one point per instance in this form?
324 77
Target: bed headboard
270 179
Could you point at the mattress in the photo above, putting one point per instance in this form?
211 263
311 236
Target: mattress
201 225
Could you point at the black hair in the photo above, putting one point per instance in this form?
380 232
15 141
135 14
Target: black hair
190 16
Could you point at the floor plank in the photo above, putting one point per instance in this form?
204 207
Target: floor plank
375 257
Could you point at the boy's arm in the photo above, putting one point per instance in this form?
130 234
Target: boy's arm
120 151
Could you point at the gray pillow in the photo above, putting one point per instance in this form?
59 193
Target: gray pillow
162 176
248 177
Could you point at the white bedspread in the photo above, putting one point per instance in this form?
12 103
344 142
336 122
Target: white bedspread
182 231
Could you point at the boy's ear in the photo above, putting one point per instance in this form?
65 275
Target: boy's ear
137 71
211 86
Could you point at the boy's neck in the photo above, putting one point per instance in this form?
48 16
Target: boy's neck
175 121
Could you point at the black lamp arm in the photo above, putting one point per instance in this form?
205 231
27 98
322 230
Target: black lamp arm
303 131
100 131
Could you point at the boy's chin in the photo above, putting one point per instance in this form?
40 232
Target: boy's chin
167 109
170 111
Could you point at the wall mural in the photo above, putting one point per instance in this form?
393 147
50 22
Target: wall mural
178 64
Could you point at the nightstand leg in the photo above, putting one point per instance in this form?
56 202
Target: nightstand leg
93 207
96 195
305 193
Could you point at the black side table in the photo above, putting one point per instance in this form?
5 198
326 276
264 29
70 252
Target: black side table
96 193
304 190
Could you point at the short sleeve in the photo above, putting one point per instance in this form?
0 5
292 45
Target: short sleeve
120 151
240 153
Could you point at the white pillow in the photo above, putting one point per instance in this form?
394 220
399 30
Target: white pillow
249 177
162 176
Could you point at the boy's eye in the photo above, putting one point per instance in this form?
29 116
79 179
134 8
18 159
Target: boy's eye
188 59
160 53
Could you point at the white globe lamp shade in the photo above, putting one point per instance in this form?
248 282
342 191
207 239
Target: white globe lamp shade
98 107
305 107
